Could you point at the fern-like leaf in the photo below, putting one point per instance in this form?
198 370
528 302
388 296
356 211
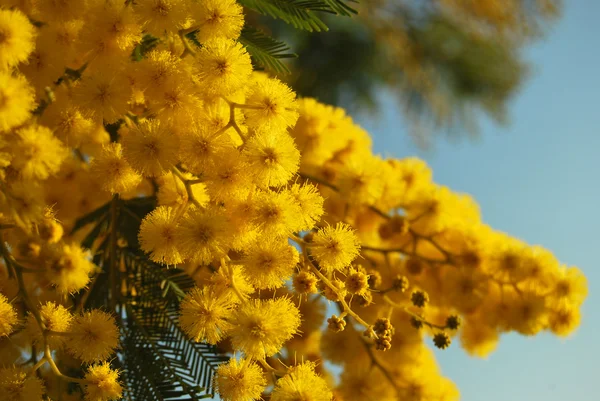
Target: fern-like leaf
265 51
299 13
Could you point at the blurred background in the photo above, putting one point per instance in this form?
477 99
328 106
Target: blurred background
500 98
536 178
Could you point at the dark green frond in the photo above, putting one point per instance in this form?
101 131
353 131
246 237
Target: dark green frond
265 51
298 13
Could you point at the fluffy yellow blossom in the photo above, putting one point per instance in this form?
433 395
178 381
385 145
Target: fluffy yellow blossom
202 235
104 95
229 179
309 199
160 16
69 268
334 247
56 318
223 67
218 19
17 38
93 336
301 382
276 213
205 315
240 380
200 146
157 236
113 171
272 158
102 383
269 262
17 100
273 105
17 385
8 317
150 148
40 153
261 327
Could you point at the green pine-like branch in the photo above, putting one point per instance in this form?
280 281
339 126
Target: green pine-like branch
158 361
300 13
265 51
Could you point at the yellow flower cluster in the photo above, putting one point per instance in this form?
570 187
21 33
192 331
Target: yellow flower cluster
273 205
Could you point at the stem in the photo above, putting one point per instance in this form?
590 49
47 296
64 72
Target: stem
57 372
329 284
406 310
16 268
378 364
114 289
188 187
402 251
231 277
38 365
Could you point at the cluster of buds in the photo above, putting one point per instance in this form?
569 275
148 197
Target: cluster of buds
419 298
384 330
336 324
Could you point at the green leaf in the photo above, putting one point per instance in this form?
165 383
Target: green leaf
91 217
265 51
299 13
340 7
148 43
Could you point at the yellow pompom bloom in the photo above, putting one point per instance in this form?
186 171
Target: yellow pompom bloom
94 336
17 100
200 146
160 16
223 67
301 383
202 235
308 197
360 180
8 317
270 262
103 383
261 327
205 314
172 192
70 125
273 106
156 70
335 247
69 268
272 157
564 320
105 96
17 38
218 19
113 171
110 34
157 236
229 179
276 213
570 286
17 384
177 102
150 148
240 380
56 318
39 153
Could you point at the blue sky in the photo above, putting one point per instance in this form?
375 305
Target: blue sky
537 179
